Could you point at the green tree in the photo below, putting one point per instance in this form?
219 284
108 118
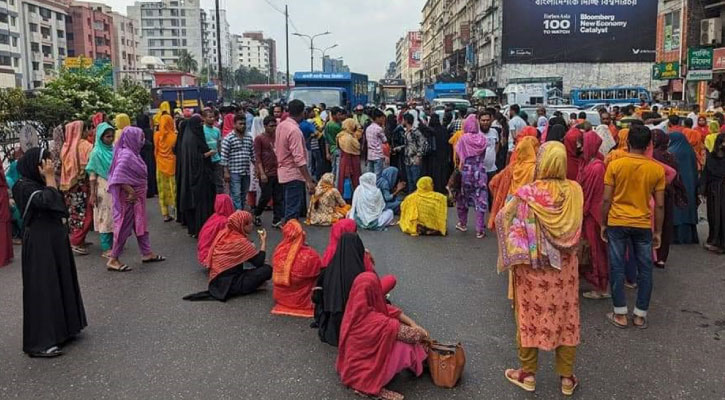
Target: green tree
84 93
12 104
131 97
186 62
49 111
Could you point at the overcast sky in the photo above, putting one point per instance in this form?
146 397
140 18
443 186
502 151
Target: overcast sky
365 31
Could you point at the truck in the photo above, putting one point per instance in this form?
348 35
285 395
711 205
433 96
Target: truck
341 89
447 90
393 91
184 97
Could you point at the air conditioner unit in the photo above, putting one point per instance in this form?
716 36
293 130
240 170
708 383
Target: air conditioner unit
711 31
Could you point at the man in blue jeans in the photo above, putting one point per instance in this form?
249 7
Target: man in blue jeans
415 148
629 184
375 137
236 158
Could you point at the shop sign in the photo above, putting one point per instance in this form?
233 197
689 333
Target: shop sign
666 71
699 75
699 59
718 58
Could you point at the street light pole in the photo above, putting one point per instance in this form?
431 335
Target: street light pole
312 46
323 54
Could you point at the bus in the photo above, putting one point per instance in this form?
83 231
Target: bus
612 95
392 91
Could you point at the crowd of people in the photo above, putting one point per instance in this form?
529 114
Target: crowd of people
562 197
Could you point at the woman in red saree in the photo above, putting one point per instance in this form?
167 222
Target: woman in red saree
573 143
591 179
223 208
377 341
295 267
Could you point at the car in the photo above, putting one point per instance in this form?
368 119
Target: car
459 104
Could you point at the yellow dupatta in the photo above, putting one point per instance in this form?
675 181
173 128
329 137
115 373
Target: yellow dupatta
424 207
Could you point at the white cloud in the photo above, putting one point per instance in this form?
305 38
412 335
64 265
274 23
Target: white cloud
365 31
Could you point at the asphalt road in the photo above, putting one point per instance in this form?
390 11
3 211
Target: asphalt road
143 341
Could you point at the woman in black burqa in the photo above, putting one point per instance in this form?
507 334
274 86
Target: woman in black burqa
52 305
713 188
181 127
147 153
334 286
437 164
196 188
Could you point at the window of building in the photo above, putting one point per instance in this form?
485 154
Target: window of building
47 51
183 12
183 32
6 61
183 22
34 46
69 36
4 18
15 41
68 19
174 22
47 67
71 52
148 13
174 4
13 21
33 27
45 32
98 25
37 84
16 62
61 51
36 66
4 39
60 34
672 31
45 13
32 9
183 42
174 12
59 16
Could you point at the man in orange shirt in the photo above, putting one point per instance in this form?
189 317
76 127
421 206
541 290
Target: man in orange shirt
629 184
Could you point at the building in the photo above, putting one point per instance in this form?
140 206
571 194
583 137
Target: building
408 61
334 65
43 45
271 50
12 54
251 53
494 43
90 31
168 27
209 40
390 71
126 43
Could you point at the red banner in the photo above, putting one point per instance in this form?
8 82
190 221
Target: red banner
718 58
414 50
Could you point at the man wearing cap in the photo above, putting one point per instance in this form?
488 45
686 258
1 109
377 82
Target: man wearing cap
360 117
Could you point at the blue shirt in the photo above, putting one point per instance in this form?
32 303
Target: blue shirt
308 129
250 121
212 135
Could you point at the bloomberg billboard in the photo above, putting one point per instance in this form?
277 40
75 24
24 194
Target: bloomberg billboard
556 31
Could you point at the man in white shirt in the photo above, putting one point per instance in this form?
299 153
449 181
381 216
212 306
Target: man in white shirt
694 113
516 125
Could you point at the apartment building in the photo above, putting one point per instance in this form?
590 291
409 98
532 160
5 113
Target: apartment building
90 31
127 40
42 26
168 27
271 51
11 53
251 53
209 40
408 60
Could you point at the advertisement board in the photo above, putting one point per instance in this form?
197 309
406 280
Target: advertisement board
559 31
666 71
414 53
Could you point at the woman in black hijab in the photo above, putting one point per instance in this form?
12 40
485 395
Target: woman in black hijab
556 133
335 283
181 127
396 138
196 188
438 163
52 305
147 153
713 187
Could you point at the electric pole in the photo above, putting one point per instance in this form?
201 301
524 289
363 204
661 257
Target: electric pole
219 48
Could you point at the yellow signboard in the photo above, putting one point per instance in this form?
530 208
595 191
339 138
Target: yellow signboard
78 62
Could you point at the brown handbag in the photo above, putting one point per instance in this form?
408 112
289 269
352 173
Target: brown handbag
446 362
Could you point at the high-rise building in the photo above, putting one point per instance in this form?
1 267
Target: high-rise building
252 53
168 27
271 51
390 71
126 43
209 40
407 60
334 65
90 31
13 56
42 26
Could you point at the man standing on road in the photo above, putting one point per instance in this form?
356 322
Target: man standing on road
516 125
415 147
360 117
629 184
266 165
375 137
212 136
237 155
332 128
292 162
277 112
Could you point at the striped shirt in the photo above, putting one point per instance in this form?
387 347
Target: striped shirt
238 153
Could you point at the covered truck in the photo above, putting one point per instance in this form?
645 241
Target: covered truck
343 89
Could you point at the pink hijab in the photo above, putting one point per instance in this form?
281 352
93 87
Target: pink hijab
472 143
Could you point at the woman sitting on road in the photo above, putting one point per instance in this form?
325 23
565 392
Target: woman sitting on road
368 205
229 251
296 268
326 204
391 188
223 208
424 212
377 341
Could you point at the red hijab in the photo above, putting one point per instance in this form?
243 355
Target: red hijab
591 176
368 332
228 124
338 229
573 162
223 208
527 131
231 246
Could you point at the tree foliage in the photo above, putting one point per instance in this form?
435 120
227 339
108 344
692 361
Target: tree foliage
12 104
131 97
247 76
84 92
186 62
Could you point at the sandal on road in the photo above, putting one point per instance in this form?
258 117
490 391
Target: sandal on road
461 227
613 321
567 388
121 268
156 258
643 325
79 251
594 295
48 353
520 379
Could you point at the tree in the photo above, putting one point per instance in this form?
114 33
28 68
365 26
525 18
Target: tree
245 76
84 92
12 104
131 97
186 62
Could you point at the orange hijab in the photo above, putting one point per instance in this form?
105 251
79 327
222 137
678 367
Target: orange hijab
73 155
164 142
622 147
525 163
698 145
293 237
231 246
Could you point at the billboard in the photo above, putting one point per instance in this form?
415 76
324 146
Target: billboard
414 53
562 31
